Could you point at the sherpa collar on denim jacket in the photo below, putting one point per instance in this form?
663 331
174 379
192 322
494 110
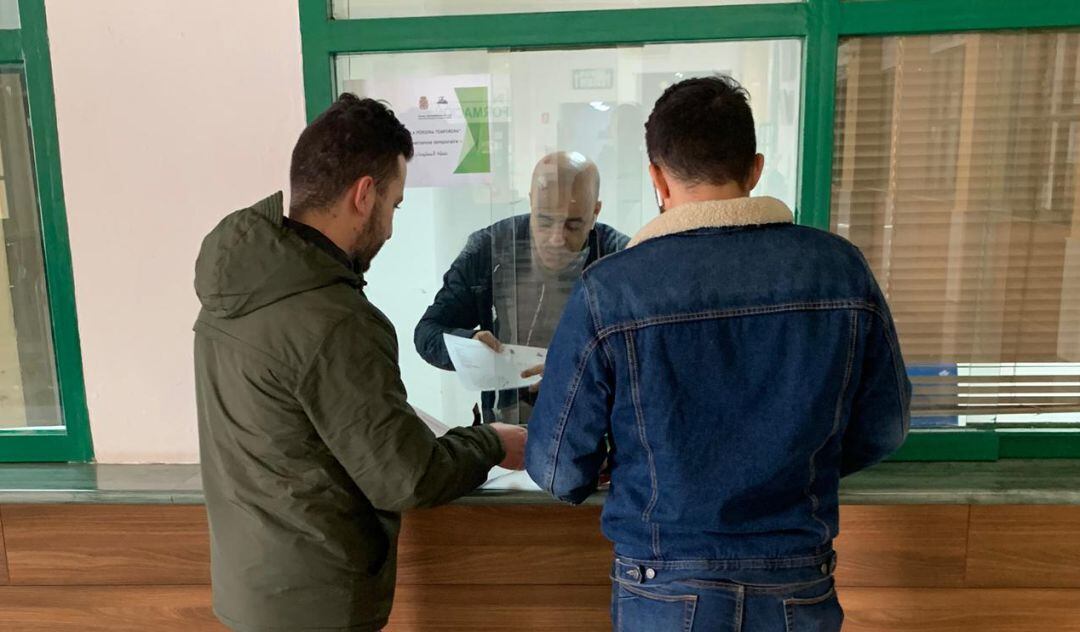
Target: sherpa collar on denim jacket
747 211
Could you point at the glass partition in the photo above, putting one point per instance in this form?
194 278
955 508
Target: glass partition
497 132
9 14
28 386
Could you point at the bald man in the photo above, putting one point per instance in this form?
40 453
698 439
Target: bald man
511 281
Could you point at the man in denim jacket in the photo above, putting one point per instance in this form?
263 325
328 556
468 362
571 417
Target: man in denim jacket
730 367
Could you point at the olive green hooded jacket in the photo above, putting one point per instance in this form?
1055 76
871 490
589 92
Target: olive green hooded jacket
309 450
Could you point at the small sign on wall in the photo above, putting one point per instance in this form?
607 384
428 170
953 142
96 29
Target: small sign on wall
450 120
594 79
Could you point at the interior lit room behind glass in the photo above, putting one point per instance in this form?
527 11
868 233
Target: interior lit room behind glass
592 102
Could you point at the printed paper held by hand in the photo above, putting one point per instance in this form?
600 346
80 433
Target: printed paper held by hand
481 369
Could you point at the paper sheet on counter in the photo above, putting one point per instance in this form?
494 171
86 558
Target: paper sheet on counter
510 480
499 478
481 369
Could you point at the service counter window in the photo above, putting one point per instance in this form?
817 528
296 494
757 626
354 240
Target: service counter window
945 143
529 166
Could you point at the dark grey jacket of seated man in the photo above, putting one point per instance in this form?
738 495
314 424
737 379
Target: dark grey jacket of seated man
494 285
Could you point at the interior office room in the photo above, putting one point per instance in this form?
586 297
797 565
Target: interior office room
940 137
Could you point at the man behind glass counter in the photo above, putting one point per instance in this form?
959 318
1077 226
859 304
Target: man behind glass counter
511 281
731 367
309 447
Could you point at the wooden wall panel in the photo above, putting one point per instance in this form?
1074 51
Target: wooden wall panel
504 524
107 609
483 568
528 609
878 546
1030 545
501 609
960 610
518 544
3 553
107 544
902 545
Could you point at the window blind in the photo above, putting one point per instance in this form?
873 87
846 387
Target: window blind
957 172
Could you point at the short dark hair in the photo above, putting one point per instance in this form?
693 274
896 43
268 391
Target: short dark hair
353 138
702 131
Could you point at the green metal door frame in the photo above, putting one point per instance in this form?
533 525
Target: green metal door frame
28 47
820 24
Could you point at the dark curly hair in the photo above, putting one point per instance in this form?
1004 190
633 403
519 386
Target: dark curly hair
353 138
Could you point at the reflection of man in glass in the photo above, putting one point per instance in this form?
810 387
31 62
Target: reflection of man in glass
512 279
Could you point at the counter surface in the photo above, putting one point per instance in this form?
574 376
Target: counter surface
1011 482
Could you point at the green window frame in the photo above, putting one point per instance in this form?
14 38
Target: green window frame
818 23
28 48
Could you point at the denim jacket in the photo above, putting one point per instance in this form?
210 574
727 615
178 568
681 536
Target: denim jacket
730 367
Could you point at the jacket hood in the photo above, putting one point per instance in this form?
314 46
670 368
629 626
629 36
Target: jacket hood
251 260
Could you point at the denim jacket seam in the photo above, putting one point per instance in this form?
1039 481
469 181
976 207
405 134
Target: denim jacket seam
740 606
640 418
853 331
881 313
594 314
894 354
564 414
670 319
605 345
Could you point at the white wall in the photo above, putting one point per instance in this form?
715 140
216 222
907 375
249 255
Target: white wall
170 115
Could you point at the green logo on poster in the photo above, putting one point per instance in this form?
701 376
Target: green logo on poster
476 150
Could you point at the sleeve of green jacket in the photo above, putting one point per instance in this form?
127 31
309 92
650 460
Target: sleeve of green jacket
353 394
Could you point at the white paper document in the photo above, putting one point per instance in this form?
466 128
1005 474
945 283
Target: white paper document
481 369
508 480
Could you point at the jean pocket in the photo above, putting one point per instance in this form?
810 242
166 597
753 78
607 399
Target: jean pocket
640 610
814 614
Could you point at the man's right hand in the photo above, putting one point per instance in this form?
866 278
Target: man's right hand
513 442
489 339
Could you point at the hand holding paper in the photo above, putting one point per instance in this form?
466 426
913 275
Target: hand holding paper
513 441
489 339
535 371
480 368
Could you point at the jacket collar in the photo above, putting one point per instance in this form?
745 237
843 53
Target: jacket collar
314 237
272 208
747 211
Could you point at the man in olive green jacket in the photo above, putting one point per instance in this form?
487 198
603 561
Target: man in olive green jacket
309 448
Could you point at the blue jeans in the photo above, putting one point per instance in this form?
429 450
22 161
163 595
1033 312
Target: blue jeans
785 595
